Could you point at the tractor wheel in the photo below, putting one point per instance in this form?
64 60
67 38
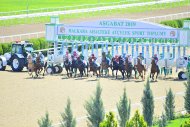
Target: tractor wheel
58 69
2 68
50 70
17 64
182 75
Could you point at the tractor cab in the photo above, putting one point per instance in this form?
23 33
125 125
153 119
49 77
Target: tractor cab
21 47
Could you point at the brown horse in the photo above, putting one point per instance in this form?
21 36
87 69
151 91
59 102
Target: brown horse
35 67
140 68
129 68
105 64
93 67
154 69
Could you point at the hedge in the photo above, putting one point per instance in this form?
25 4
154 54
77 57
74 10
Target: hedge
1 49
178 23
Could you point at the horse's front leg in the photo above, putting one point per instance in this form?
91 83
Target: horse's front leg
116 73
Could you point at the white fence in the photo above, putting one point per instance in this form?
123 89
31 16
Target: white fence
155 19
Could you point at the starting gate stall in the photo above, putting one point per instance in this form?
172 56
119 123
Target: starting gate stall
120 36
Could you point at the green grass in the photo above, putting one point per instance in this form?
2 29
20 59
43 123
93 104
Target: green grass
66 18
16 5
176 123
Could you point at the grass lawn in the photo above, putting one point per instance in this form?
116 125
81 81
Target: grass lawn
176 123
15 5
93 14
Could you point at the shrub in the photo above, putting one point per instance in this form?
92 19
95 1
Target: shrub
169 105
1 50
110 121
67 116
124 108
6 47
95 108
45 121
148 104
187 94
136 121
186 124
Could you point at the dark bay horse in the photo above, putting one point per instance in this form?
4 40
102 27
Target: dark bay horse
118 66
154 69
67 65
141 69
95 69
105 64
129 68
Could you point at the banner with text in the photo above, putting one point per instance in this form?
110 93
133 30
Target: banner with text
116 32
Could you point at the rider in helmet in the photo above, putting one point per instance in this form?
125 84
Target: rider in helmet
155 57
129 57
141 57
75 55
41 56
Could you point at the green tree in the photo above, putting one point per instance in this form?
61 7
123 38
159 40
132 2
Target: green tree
124 109
148 104
169 105
110 121
95 108
45 121
163 121
67 116
187 94
136 121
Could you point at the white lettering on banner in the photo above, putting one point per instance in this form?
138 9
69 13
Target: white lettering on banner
117 32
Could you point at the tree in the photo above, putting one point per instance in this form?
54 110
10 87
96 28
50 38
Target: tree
148 104
137 121
124 108
169 105
163 121
109 121
67 116
45 121
187 94
95 108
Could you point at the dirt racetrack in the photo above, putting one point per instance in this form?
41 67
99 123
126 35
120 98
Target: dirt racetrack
24 100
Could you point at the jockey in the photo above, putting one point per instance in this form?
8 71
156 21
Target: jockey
67 55
129 57
93 57
75 55
155 58
116 58
41 56
108 55
141 58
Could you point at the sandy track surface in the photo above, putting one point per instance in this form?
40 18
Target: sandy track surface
24 100
30 28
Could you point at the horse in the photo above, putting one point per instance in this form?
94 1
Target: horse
154 69
35 67
82 67
67 65
118 66
74 67
140 68
129 68
105 64
93 67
